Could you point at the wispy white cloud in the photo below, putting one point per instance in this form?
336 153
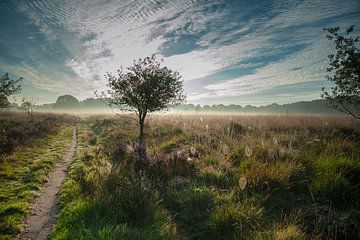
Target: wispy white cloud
275 44
304 66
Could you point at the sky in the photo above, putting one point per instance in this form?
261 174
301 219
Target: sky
230 52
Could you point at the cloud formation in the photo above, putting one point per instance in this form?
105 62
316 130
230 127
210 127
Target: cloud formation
223 49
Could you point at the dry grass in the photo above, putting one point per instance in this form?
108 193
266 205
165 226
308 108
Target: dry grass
218 177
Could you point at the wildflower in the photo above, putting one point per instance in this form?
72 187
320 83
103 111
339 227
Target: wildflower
248 151
193 150
242 183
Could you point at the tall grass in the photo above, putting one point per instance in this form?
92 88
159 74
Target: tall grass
215 177
24 172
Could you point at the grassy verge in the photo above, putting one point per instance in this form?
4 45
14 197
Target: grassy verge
23 173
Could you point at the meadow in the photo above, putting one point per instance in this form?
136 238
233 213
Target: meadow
207 177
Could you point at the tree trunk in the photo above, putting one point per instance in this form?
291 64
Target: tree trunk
141 125
140 151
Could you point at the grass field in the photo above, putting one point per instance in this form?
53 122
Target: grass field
215 177
207 177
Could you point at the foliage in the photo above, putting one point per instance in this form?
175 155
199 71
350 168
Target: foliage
123 205
23 173
28 106
301 178
66 102
8 87
18 131
345 63
145 87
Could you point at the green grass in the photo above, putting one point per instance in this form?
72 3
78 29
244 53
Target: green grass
218 177
86 215
23 173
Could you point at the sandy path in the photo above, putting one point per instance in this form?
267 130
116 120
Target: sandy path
44 208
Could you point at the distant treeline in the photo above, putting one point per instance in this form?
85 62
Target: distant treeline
303 107
68 102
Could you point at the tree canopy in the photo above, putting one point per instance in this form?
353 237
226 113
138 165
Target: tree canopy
145 87
8 87
66 101
345 66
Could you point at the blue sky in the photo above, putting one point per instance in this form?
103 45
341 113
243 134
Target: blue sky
230 52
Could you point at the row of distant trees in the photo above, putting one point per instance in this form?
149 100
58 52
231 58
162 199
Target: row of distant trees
305 107
71 102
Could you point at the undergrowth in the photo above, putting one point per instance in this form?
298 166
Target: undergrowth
215 177
23 173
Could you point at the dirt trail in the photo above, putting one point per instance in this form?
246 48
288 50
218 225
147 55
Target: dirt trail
44 208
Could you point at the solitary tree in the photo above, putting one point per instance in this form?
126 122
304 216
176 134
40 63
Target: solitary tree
145 87
345 66
8 87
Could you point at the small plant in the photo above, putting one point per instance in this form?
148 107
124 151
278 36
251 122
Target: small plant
28 106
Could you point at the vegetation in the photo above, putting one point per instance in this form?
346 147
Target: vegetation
16 130
215 177
28 152
145 87
28 106
66 102
8 87
99 105
345 95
